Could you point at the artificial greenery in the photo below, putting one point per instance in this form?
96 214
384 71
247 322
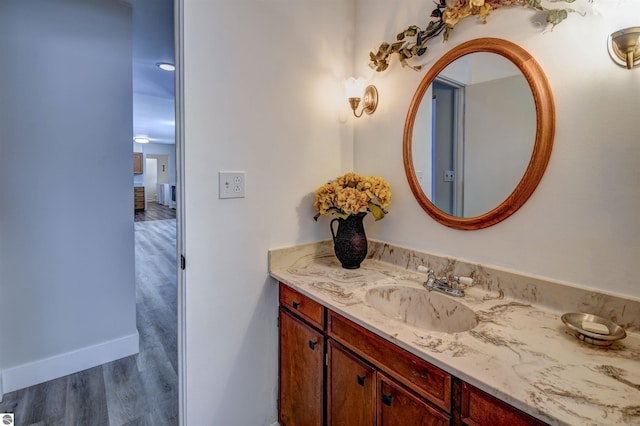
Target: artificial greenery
412 42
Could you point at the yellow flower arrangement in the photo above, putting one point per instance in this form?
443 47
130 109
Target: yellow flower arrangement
351 194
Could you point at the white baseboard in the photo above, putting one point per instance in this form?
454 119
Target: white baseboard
43 370
276 424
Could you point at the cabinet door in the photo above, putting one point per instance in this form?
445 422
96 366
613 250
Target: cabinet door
351 389
398 406
137 163
301 364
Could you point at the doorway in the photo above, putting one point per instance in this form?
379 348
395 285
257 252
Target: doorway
447 148
151 180
86 396
160 179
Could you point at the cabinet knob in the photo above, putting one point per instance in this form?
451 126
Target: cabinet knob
312 345
360 379
296 305
386 399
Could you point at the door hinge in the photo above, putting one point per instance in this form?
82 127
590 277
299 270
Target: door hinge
326 359
183 262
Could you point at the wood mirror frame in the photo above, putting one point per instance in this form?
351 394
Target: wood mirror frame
545 130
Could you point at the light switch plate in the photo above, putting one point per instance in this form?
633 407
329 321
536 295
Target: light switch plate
231 185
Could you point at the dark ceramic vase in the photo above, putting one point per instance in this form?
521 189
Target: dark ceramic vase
350 241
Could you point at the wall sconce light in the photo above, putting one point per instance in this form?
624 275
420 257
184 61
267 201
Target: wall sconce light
141 139
624 47
356 92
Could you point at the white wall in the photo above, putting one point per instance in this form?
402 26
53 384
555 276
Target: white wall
264 94
66 222
162 167
500 132
581 224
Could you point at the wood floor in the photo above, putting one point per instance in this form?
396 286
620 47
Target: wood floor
155 211
137 390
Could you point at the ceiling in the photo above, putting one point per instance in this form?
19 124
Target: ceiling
153 88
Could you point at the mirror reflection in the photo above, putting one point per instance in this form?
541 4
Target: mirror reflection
493 133
474 134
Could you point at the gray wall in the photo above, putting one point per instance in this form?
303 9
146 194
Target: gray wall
66 221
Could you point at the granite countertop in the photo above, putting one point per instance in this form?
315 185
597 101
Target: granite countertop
519 351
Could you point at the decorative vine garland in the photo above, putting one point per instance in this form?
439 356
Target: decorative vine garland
412 42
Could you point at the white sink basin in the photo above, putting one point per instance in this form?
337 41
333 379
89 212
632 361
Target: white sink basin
421 308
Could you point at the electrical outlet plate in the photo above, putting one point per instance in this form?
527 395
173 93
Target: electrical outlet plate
230 185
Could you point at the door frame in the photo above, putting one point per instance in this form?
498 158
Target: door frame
178 16
458 138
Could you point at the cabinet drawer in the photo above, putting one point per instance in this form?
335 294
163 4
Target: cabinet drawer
481 409
301 305
423 378
398 406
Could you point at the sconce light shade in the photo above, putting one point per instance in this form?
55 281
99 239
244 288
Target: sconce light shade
624 47
356 92
354 87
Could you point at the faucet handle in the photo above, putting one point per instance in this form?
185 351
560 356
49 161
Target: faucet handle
427 271
467 281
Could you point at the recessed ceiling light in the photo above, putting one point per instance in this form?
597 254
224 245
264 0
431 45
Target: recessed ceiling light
141 139
166 66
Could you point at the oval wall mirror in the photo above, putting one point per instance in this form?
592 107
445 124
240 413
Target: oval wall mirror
478 134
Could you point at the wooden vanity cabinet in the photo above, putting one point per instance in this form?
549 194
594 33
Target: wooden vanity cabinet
335 372
323 380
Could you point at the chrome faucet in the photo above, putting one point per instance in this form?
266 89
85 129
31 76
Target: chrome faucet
441 285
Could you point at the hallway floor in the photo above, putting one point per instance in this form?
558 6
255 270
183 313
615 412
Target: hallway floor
155 211
138 390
